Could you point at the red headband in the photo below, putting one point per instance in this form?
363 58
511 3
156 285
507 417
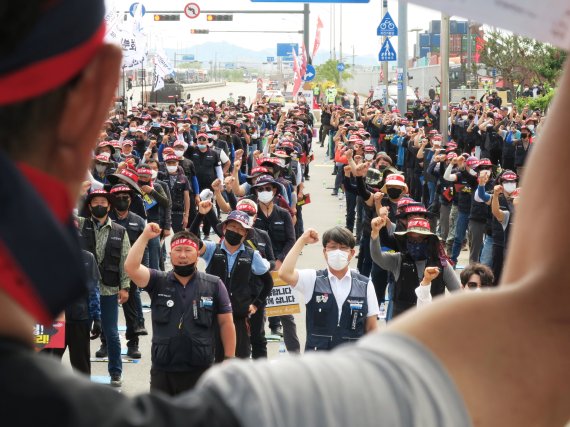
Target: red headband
183 242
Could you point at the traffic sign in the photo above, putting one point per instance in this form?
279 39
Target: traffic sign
133 8
340 67
270 59
387 27
387 52
494 72
188 57
285 50
192 10
310 73
400 86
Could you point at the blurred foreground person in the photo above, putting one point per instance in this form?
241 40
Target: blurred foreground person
431 367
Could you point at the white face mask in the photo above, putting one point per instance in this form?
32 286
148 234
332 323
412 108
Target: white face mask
179 153
530 127
265 196
154 174
100 168
463 117
337 259
132 130
509 187
171 169
368 156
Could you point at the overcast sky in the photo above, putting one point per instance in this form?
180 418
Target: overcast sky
359 23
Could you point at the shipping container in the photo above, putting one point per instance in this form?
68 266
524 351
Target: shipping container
435 40
424 40
452 27
462 27
435 27
473 42
455 41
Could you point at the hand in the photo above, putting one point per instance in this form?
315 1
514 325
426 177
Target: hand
152 143
256 154
252 310
228 183
498 189
204 207
357 158
237 163
217 185
151 231
310 236
361 169
278 265
483 177
85 187
430 273
185 221
124 133
146 189
347 170
96 329
123 296
377 197
147 154
383 212
348 154
239 154
121 166
377 224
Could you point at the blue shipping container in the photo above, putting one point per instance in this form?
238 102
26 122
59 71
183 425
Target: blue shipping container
424 40
435 40
453 27
462 27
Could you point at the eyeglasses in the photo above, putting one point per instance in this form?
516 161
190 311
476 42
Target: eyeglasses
265 188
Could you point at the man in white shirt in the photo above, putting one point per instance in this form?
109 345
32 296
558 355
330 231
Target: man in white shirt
341 304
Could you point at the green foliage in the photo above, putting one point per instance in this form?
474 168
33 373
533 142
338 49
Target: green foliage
327 72
541 103
521 59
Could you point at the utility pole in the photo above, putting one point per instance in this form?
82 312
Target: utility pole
306 15
385 63
340 48
444 92
469 56
334 31
402 56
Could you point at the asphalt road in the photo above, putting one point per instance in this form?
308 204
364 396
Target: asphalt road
324 212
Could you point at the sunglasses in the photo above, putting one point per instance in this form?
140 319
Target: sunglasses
265 188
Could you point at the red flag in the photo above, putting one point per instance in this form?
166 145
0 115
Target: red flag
317 37
297 72
303 60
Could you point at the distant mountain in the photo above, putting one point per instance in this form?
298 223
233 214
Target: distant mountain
225 52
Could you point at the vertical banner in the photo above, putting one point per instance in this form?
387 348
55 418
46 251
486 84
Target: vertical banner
297 74
317 37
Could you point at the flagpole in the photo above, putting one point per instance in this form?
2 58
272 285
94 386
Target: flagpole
143 82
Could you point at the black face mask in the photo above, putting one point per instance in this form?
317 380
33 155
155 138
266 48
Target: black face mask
99 211
122 205
232 237
185 270
394 193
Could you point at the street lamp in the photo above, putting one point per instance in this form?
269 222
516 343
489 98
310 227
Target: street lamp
417 46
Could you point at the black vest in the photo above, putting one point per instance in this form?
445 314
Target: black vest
183 337
405 288
239 281
177 193
205 165
324 330
497 229
133 224
109 265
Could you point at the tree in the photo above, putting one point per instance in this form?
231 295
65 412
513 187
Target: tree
328 71
522 59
